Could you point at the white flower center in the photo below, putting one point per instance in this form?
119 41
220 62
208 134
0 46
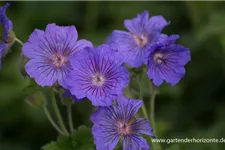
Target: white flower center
158 58
59 60
124 128
140 41
98 80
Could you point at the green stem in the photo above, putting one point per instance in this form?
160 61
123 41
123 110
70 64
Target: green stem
152 106
51 120
56 108
19 41
143 108
70 118
153 91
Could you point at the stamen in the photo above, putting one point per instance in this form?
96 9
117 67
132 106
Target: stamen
124 128
98 80
140 41
158 58
58 60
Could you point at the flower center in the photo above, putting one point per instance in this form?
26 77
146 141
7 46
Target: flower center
124 128
58 60
140 41
158 58
98 80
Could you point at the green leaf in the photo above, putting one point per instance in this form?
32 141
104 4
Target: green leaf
81 139
51 146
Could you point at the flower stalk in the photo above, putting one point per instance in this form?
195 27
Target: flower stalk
58 115
52 121
70 118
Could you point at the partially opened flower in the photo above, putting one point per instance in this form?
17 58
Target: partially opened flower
7 36
167 61
97 74
143 34
49 52
118 122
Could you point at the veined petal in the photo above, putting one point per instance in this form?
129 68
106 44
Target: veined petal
141 125
97 74
104 139
135 142
30 49
137 25
54 46
44 73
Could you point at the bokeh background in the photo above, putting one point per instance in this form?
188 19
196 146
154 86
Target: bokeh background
193 108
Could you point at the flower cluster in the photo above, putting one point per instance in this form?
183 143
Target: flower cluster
56 57
145 44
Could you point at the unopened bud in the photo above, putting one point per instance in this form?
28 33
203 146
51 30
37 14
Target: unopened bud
37 99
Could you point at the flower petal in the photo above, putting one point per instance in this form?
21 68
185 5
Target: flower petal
43 72
81 44
135 142
137 25
156 23
141 125
104 139
5 22
102 61
30 49
129 106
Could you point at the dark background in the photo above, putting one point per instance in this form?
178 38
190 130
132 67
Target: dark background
192 108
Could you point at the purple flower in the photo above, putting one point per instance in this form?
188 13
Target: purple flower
8 36
116 122
167 61
143 34
97 74
49 52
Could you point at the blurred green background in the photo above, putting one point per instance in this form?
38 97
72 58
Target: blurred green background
193 108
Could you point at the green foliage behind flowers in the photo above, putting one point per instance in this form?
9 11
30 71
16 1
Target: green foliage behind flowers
193 107
81 139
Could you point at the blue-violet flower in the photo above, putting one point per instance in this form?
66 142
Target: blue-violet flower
116 122
97 74
167 61
143 34
49 52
